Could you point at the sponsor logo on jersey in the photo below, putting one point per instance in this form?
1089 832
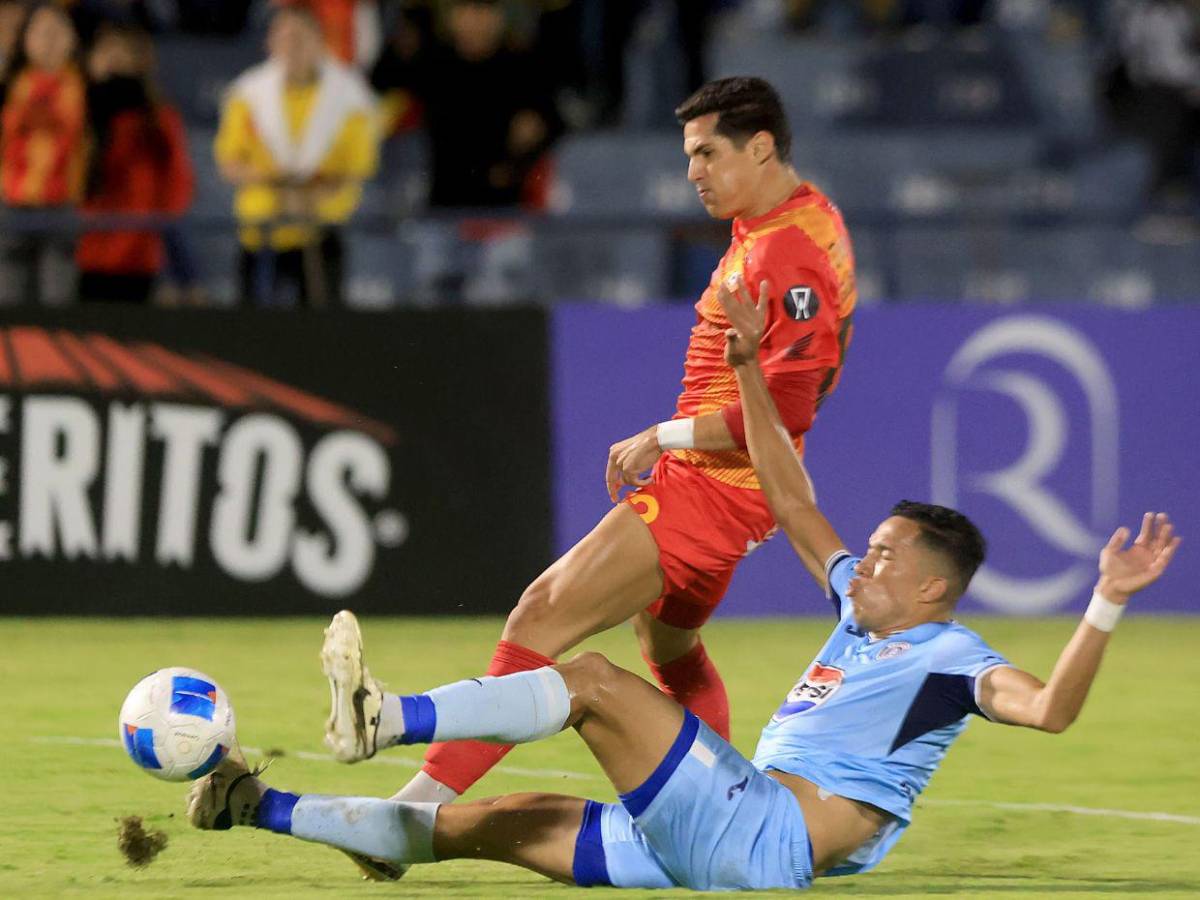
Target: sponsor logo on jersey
892 650
817 686
801 303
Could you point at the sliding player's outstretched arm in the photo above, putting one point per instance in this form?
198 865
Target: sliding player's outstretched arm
784 480
1018 698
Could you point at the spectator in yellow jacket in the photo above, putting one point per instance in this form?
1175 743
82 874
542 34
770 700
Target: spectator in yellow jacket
298 138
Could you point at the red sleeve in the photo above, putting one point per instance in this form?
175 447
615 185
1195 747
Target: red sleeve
180 182
802 315
795 396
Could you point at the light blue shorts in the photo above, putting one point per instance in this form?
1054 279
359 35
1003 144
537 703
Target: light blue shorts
706 819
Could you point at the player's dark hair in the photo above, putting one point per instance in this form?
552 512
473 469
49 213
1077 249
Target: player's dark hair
744 107
950 534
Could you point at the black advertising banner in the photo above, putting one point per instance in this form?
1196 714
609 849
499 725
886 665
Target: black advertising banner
194 462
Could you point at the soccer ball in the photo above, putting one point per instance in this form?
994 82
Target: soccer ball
176 724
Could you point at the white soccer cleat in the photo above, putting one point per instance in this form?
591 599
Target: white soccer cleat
228 795
355 698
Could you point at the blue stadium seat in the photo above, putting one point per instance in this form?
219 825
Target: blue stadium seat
619 173
628 267
378 269
817 80
994 264
1061 77
964 83
871 264
1104 264
967 83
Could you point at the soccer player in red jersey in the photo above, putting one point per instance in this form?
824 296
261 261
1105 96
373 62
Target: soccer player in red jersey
665 554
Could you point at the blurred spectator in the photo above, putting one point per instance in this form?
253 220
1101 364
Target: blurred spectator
487 107
607 28
1153 90
298 138
139 165
42 158
352 28
12 17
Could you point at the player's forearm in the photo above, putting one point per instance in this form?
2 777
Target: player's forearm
1057 704
711 433
785 483
706 432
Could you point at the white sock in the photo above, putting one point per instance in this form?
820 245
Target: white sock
391 722
510 709
384 829
424 788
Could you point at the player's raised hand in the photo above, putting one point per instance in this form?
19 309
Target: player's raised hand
747 319
1126 570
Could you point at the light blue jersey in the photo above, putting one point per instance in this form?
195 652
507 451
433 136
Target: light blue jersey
871 718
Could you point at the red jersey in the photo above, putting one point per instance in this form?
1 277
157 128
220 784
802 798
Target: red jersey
137 177
42 148
802 250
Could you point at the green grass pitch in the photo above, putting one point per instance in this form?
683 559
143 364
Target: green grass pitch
1136 748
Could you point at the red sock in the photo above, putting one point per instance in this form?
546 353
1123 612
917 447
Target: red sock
693 681
459 764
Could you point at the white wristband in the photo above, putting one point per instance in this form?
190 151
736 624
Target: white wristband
677 434
1102 613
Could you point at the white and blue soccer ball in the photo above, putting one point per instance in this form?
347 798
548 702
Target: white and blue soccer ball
176 724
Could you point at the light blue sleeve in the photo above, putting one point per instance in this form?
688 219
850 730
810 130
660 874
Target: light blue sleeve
970 657
967 654
839 569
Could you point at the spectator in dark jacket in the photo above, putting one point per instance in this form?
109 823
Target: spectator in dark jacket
486 106
1153 89
139 166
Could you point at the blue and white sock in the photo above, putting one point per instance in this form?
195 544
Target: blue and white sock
509 709
384 829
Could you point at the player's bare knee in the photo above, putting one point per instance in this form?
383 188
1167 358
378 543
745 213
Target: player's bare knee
589 676
533 611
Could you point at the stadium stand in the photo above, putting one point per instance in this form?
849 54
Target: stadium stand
972 163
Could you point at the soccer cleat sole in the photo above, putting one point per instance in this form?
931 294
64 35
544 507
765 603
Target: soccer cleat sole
373 869
348 733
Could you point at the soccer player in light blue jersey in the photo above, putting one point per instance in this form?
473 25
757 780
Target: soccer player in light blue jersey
832 783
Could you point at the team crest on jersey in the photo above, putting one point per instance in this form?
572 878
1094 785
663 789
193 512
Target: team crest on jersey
801 303
818 685
892 650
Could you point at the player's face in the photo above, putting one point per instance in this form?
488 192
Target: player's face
725 177
887 582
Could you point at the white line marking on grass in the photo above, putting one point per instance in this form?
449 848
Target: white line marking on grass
1077 810
324 757
584 776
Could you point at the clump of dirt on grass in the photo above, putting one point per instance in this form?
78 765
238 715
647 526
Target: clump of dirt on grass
138 846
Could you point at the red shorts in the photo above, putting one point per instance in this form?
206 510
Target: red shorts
703 528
